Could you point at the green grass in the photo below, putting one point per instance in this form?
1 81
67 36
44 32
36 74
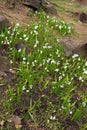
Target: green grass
49 85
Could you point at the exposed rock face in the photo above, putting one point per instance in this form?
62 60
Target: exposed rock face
83 17
72 46
35 4
50 9
4 22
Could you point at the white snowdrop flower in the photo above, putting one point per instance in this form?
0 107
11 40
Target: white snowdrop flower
2 35
49 47
83 104
58 40
40 65
24 58
35 27
10 41
59 56
8 32
18 32
63 74
69 27
27 91
53 61
43 61
79 59
24 35
10 99
47 21
17 24
2 42
23 88
19 50
35 32
69 83
33 64
58 63
71 112
20 38
44 47
75 55
69 31
11 61
41 52
54 82
60 27
35 61
52 118
86 63
28 63
60 77
80 78
65 67
72 78
45 68
79 67
62 107
48 16
85 71
31 32
31 86
26 38
10 70
62 86
48 60
57 51
37 42
12 34
50 55
56 25
11 49
56 70
35 45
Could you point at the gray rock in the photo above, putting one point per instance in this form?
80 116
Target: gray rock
4 22
50 9
72 46
35 4
83 17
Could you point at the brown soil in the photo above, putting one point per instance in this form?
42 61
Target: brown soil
17 14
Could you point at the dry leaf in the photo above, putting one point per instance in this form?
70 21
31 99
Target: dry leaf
18 126
2 123
12 71
17 121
